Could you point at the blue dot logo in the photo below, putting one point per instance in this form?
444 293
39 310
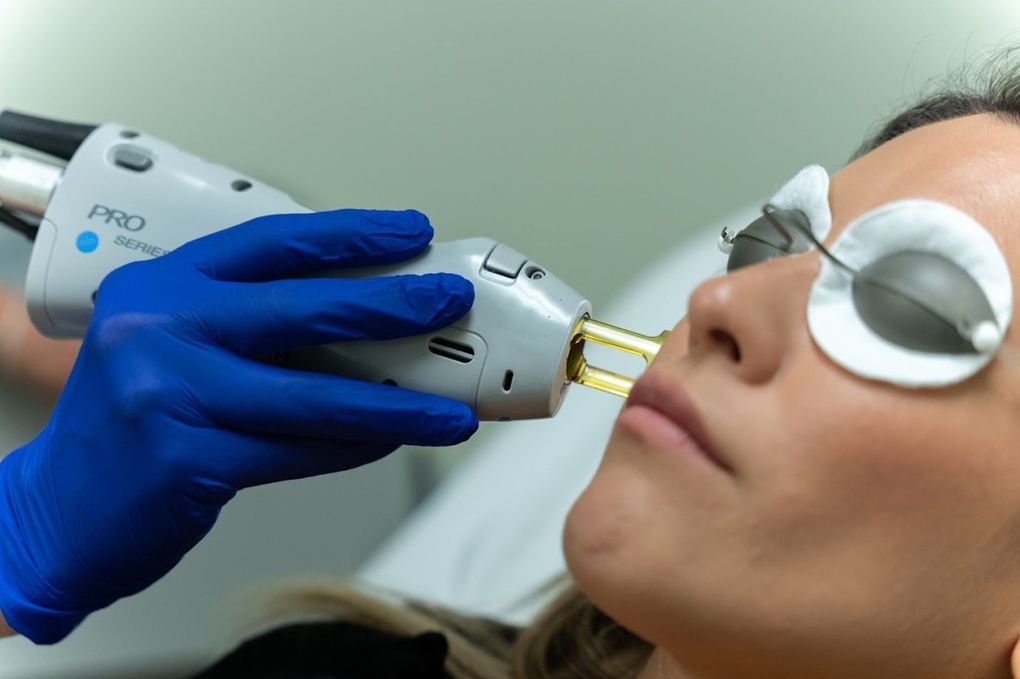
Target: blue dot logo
87 241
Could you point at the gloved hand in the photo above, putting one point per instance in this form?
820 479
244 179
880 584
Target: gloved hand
168 413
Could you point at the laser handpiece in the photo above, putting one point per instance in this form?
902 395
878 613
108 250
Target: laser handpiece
124 196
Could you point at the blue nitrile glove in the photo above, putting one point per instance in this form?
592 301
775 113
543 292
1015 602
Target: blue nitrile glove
167 413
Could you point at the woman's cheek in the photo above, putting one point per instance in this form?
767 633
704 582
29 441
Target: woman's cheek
866 448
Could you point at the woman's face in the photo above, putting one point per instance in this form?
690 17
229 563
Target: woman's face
861 529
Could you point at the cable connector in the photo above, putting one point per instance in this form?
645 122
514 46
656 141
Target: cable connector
27 184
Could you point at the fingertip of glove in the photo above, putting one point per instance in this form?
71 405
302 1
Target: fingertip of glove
468 427
445 296
442 422
364 223
460 290
410 222
417 219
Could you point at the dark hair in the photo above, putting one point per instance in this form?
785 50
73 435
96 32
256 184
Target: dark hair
991 87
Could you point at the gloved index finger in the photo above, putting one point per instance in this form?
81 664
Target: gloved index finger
257 319
287 245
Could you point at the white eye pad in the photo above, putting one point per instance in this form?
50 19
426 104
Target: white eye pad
808 192
904 226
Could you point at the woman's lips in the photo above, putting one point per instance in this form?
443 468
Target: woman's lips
665 396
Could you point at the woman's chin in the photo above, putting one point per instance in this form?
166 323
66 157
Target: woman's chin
603 531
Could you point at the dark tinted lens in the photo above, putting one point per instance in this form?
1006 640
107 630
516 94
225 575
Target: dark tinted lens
777 234
919 299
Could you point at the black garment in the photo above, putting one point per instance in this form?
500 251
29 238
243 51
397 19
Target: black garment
334 650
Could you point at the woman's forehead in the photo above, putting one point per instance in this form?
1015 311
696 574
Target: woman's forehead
971 163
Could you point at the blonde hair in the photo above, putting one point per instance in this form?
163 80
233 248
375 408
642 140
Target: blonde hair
570 638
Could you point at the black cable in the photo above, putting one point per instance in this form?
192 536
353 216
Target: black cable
54 137
18 224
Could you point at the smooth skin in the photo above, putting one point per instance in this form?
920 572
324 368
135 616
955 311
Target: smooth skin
27 357
865 530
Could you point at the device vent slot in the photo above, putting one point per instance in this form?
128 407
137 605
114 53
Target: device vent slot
448 348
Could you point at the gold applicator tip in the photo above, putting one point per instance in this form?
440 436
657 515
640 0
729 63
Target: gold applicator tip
580 371
616 337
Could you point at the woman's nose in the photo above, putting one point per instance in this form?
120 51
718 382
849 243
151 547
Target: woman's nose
750 318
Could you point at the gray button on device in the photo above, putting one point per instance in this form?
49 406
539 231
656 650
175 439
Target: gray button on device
132 158
504 261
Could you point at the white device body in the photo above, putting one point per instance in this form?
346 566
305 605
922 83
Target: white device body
139 197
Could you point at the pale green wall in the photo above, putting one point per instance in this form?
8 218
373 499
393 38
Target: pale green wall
567 129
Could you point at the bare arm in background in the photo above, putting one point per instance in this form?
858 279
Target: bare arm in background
27 357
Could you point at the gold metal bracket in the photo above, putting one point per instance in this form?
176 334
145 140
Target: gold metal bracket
580 371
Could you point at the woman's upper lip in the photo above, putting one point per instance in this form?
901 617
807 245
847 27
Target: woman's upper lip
666 395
